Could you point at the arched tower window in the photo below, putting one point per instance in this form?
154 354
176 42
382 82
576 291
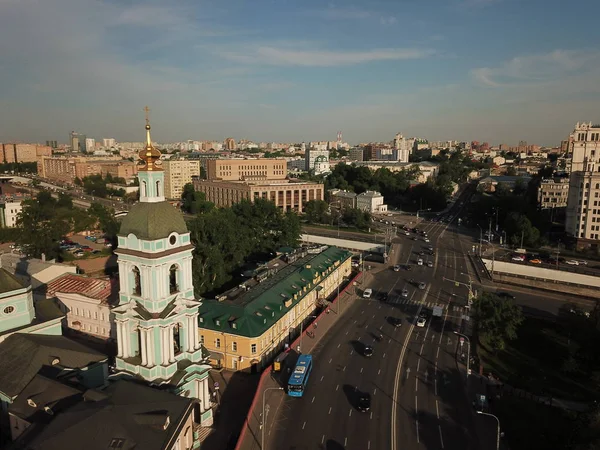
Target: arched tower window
144 189
177 338
173 281
137 282
158 188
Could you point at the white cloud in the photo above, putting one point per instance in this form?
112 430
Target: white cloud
539 69
389 20
321 58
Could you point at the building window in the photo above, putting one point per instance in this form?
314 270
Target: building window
234 346
9 310
253 348
173 285
218 343
202 339
137 284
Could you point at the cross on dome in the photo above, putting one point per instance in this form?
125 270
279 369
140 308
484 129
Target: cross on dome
149 155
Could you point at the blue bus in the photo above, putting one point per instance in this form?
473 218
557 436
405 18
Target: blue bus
299 377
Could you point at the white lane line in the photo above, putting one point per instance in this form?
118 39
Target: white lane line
371 415
337 387
435 386
384 355
368 445
389 341
303 425
441 438
421 350
323 439
345 441
313 400
418 364
350 413
351 352
373 316
330 359
344 369
416 384
379 372
437 353
418 440
374 391
361 370
437 409
346 333
339 345
330 410
322 376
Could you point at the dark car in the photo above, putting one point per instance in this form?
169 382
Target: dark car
505 295
364 402
368 351
408 267
383 296
396 322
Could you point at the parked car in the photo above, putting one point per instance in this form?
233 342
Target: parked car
572 262
367 293
421 321
397 268
520 258
535 261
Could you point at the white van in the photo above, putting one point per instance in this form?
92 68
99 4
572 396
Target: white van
367 293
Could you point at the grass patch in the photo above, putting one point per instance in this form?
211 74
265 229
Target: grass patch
529 425
537 361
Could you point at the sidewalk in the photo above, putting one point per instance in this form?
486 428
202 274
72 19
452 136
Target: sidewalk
270 388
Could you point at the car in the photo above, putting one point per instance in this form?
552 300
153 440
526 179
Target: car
78 254
396 322
426 239
414 238
364 402
430 248
535 261
355 264
408 267
421 253
404 293
505 295
420 262
421 321
95 252
368 351
518 258
406 233
397 268
583 263
422 285
430 264
383 296
367 293
572 262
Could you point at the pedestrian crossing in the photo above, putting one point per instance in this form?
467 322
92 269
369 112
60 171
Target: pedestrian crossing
399 300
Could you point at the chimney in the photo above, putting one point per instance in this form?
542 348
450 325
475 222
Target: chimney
43 257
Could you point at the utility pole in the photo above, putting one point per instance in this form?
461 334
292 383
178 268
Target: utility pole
496 220
490 232
522 236
468 286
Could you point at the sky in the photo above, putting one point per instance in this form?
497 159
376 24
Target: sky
289 71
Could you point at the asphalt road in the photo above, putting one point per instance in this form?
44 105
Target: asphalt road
414 366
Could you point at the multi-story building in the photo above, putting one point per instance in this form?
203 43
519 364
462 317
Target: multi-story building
90 145
246 169
23 153
317 160
403 150
553 193
583 204
286 194
108 142
247 327
9 210
86 303
67 169
427 170
342 199
356 154
178 173
371 201
230 144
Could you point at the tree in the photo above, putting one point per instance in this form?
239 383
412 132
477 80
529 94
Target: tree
64 201
518 228
497 320
194 202
316 211
511 171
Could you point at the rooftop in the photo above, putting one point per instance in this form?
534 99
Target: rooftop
90 287
254 311
8 282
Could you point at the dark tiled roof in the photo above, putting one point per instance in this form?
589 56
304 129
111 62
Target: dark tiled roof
258 309
22 356
76 284
151 221
8 282
131 412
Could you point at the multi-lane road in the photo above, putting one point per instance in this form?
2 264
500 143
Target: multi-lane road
418 399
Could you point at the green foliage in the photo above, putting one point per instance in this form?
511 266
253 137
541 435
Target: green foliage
20 167
225 238
357 218
518 226
316 211
194 202
511 171
8 234
95 185
497 320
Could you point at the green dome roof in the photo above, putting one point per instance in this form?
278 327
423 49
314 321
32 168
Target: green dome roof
151 221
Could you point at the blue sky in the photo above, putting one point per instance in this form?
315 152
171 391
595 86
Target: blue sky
287 70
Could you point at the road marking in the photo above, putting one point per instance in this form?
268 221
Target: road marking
421 350
313 400
345 441
416 384
322 376
373 316
379 372
435 386
339 345
337 387
371 415
441 439
361 369
368 445
389 341
432 337
330 410
437 353
323 439
303 425
351 352
350 413
346 333
355 321
375 391
418 363
437 409
344 369
418 440
384 355
330 359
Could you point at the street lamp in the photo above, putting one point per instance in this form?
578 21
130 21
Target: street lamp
498 433
480 239
468 351
338 300
301 329
263 422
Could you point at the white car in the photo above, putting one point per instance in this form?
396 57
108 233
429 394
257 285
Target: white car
572 262
429 264
518 258
404 293
426 239
421 321
367 293
420 262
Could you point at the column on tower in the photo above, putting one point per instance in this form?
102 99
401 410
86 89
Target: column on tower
171 346
190 334
126 340
150 346
197 344
164 346
119 326
143 346
206 402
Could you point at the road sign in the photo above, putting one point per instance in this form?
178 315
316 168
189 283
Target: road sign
216 385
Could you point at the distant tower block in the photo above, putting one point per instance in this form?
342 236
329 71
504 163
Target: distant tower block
339 139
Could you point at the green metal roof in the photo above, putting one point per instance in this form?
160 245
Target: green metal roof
8 282
257 310
150 221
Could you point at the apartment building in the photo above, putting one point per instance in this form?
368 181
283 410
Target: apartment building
23 153
246 169
179 172
583 204
248 326
427 170
286 194
553 193
317 160
67 169
371 201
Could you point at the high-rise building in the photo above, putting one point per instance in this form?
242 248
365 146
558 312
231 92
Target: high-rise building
90 145
179 172
583 204
52 144
230 144
108 142
402 147
317 161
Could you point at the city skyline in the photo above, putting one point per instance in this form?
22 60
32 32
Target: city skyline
268 71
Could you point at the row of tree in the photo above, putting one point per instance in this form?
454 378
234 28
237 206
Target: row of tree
19 167
319 212
97 185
